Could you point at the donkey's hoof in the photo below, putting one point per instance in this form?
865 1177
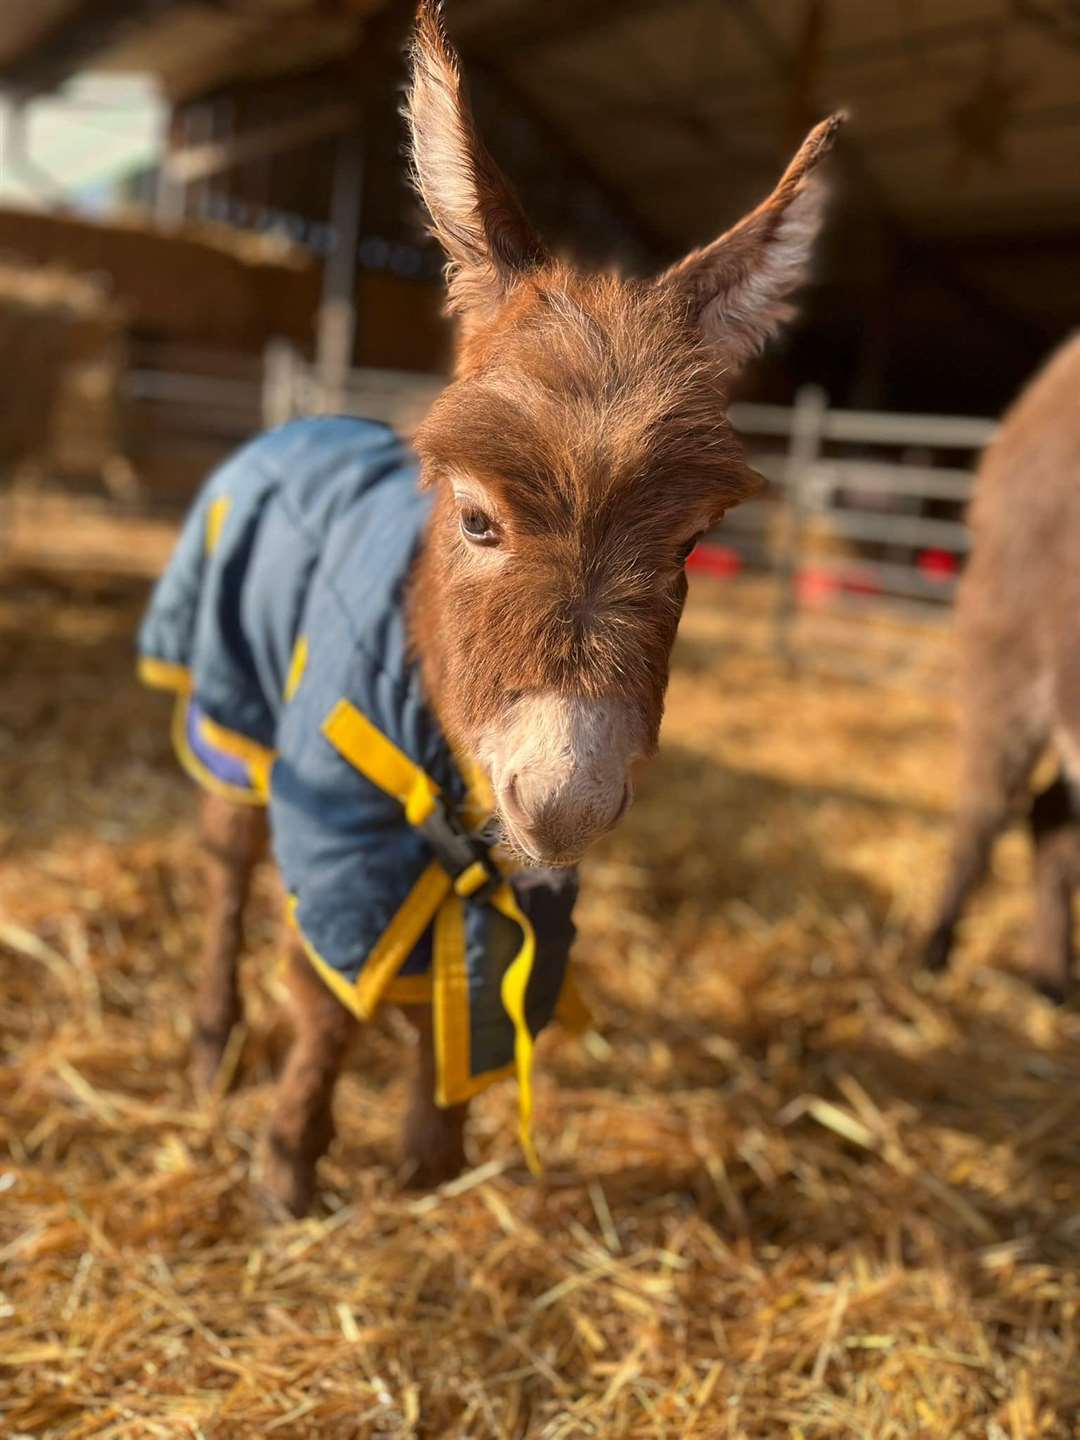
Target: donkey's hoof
284 1180
1052 989
207 1052
428 1172
433 1150
213 1062
936 950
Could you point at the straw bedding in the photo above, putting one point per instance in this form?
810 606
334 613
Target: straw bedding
792 1188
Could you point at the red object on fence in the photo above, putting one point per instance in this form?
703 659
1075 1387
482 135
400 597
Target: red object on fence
938 564
719 561
814 587
860 582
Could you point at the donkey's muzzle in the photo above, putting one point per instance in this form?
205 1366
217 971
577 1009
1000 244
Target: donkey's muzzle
557 834
560 768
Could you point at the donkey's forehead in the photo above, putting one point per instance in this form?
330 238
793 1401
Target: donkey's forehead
598 335
587 399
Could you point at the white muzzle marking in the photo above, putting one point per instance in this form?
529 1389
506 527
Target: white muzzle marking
560 769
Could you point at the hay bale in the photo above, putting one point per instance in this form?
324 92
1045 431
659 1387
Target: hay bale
208 284
59 401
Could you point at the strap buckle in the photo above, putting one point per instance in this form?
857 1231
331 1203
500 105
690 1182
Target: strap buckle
464 857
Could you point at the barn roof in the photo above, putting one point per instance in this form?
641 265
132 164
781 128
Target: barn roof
966 112
964 145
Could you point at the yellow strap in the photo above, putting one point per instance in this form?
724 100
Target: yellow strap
450 1004
409 990
515 987
454 1081
297 666
368 749
472 879
364 746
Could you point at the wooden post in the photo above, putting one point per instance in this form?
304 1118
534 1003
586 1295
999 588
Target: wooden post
281 392
170 194
337 311
807 432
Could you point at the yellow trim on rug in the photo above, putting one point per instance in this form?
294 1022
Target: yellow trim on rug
259 758
379 975
332 978
194 767
297 666
216 514
397 941
164 675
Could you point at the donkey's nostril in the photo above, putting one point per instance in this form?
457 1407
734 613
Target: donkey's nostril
511 799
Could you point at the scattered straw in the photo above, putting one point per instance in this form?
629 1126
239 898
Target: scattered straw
795 1190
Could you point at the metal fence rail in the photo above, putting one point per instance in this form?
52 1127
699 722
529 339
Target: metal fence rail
864 511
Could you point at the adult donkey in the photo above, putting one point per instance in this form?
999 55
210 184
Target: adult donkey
386 652
1020 662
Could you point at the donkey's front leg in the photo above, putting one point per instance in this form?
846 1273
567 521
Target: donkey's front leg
233 838
433 1143
302 1124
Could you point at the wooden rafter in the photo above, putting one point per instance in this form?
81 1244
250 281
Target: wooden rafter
554 22
639 229
1006 320
74 38
200 162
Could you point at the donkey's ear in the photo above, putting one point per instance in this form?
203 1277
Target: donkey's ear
474 213
737 287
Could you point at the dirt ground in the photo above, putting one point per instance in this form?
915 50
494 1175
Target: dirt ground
792 1187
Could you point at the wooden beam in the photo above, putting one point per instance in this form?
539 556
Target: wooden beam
555 22
655 245
74 39
336 330
911 251
199 162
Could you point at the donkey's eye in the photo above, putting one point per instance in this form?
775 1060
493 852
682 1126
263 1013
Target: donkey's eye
685 551
478 526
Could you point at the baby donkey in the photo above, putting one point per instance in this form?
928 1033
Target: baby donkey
383 649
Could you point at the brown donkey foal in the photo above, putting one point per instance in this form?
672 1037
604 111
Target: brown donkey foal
578 453
1018 625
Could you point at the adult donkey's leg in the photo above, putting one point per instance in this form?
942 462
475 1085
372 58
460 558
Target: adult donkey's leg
234 839
1056 837
302 1125
1002 733
433 1142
